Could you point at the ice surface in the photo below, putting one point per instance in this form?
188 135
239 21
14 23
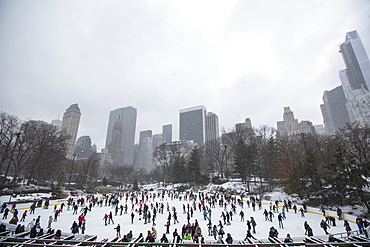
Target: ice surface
95 223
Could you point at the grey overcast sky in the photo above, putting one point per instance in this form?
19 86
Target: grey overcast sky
237 58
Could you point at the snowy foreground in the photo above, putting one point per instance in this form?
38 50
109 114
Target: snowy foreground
95 223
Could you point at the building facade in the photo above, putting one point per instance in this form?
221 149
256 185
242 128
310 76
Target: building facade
57 123
239 127
355 78
145 159
357 63
290 127
157 140
70 125
121 135
83 147
334 110
212 127
358 106
143 134
167 133
192 124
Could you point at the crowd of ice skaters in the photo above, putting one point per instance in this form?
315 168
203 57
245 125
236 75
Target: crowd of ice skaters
146 207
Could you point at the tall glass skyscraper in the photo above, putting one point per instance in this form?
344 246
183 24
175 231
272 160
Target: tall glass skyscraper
357 72
356 78
192 124
121 135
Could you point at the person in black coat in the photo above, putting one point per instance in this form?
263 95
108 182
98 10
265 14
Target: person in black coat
33 232
164 238
229 239
149 237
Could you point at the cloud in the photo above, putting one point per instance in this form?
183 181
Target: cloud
238 58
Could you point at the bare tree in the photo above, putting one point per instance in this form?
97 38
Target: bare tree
25 149
9 128
231 143
86 172
36 145
215 155
50 144
120 173
267 154
168 153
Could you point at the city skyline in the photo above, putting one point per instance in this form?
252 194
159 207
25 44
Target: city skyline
242 59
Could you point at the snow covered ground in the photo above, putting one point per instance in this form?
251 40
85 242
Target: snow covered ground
95 223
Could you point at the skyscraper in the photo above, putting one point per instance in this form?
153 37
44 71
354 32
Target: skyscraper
145 159
145 153
358 106
291 124
83 148
167 133
290 127
355 78
144 133
244 126
70 124
357 72
192 124
121 135
57 123
156 140
212 127
334 110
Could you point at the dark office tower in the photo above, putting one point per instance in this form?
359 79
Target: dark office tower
70 124
167 133
83 148
212 127
334 110
192 124
357 72
144 133
121 135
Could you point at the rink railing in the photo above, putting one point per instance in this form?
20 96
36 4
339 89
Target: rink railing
70 240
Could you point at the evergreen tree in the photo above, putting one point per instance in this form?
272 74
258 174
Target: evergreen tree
57 192
306 179
105 181
193 168
245 154
337 177
135 185
178 172
356 141
240 159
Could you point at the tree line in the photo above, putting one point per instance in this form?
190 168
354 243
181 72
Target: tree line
334 169
331 169
35 151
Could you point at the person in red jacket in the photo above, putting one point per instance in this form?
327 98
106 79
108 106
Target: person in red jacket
81 218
